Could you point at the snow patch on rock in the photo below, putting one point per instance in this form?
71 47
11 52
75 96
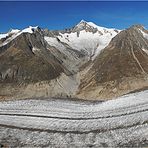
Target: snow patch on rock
146 51
145 35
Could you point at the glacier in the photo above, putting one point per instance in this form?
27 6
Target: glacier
68 123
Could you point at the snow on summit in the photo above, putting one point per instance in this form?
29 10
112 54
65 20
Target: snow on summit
88 37
85 36
99 28
29 29
13 33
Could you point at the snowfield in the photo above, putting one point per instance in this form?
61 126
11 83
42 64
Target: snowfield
89 42
65 123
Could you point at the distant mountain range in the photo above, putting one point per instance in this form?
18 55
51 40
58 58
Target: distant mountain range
86 61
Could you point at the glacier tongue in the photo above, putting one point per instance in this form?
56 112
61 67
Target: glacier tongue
62 122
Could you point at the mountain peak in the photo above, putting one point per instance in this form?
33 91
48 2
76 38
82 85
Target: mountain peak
139 26
82 21
14 31
84 25
30 29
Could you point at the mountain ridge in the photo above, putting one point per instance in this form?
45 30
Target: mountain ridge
122 61
84 61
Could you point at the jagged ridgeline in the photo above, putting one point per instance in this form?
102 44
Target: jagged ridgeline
86 61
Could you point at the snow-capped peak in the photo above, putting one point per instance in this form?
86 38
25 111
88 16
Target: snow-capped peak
29 29
93 25
145 35
13 31
82 21
16 32
86 37
81 25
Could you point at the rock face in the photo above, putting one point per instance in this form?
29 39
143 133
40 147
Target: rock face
26 59
86 61
121 67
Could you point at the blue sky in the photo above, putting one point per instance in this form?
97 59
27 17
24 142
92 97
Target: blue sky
60 15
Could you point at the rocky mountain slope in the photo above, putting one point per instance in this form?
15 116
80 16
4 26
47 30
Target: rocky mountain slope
121 67
86 61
